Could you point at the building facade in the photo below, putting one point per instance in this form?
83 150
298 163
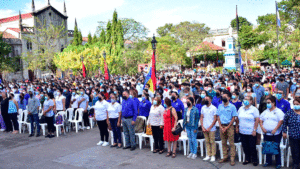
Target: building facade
17 29
219 37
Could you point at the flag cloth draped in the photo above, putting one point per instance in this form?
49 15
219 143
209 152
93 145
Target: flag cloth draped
83 70
277 16
151 76
239 47
106 71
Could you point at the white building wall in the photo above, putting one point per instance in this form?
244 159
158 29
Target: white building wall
15 24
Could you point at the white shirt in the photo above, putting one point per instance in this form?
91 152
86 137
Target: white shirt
247 119
209 114
47 104
75 103
86 100
59 103
156 116
270 120
114 110
100 110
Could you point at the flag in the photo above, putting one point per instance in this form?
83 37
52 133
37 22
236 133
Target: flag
151 76
106 71
83 70
238 28
277 16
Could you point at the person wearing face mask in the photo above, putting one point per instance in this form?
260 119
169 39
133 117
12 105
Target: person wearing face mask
101 116
291 125
217 100
258 90
144 106
190 124
33 107
49 114
281 103
246 125
74 100
208 120
183 92
178 105
184 98
129 115
251 93
235 100
83 101
147 86
104 92
22 102
270 123
283 86
4 112
60 101
293 86
156 121
68 96
200 101
297 90
13 108
139 88
210 91
226 114
114 113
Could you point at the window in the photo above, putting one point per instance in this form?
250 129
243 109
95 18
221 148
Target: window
62 48
29 46
223 43
50 14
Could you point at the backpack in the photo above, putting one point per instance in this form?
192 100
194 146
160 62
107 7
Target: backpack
58 119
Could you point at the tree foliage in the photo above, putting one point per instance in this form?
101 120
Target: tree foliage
7 64
90 38
242 21
290 10
165 30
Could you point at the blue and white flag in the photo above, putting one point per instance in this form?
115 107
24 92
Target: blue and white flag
277 16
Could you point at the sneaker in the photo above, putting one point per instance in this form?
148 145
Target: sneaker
190 155
2 129
278 166
194 156
38 135
100 143
30 135
206 158
213 159
88 128
105 144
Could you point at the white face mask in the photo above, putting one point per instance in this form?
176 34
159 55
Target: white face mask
248 90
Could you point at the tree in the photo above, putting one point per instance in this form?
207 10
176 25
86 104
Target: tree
294 46
165 30
102 37
290 10
242 21
248 39
79 38
90 39
132 29
46 40
7 64
76 37
95 39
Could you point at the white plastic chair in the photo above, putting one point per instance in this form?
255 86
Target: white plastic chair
79 114
91 119
23 118
150 138
139 135
183 138
283 149
238 147
58 126
201 142
259 150
69 115
289 153
43 125
20 119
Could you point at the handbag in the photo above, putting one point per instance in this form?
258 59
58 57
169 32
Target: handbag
200 134
178 128
270 147
42 120
149 130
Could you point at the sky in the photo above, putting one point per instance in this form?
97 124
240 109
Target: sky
216 14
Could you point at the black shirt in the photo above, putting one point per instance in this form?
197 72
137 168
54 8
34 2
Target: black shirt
4 106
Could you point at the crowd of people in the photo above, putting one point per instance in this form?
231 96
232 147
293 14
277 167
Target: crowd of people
230 105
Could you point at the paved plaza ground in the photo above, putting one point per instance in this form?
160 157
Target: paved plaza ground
79 150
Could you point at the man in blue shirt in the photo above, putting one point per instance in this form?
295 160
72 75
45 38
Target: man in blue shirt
178 105
217 100
281 103
129 114
226 114
258 90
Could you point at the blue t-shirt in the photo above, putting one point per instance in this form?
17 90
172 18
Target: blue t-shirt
48 103
226 113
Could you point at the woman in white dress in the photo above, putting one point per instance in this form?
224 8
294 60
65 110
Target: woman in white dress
114 113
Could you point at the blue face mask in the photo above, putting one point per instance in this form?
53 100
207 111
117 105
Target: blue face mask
278 96
143 98
101 90
95 93
81 93
165 105
246 102
46 98
297 107
155 102
130 96
186 94
266 93
233 97
202 96
73 93
269 105
112 100
36 93
65 91
42 95
222 88
115 92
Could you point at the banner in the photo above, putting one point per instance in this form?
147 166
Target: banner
83 70
151 76
106 71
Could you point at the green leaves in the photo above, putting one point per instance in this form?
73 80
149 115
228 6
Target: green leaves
242 21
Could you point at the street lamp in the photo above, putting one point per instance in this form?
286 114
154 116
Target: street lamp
104 55
153 42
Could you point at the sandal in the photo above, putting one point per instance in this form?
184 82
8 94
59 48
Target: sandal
155 151
161 151
169 154
173 155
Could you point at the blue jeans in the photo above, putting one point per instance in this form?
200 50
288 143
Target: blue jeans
34 118
129 132
116 130
277 139
192 139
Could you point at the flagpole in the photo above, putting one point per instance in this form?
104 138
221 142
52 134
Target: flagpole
277 35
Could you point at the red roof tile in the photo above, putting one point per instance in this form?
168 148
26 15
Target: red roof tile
15 29
210 45
84 39
128 42
14 18
8 36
